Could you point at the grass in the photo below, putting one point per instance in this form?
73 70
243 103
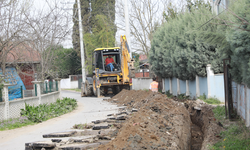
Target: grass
182 96
219 113
76 89
82 126
235 137
212 100
15 123
203 97
169 95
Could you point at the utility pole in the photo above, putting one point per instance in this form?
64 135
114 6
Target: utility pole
127 25
81 42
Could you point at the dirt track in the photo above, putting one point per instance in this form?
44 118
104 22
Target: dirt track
162 123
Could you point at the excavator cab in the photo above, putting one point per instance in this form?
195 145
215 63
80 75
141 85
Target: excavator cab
103 54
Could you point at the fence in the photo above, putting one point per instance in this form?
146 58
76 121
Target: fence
241 101
1 99
11 109
48 87
19 92
211 86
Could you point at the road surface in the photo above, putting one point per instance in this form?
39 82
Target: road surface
89 109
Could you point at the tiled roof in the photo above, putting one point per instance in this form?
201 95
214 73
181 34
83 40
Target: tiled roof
23 53
143 57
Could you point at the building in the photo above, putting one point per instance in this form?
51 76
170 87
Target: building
219 6
25 60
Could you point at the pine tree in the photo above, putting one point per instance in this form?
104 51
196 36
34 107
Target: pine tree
178 51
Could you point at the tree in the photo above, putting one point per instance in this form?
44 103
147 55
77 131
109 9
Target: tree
238 35
102 36
12 28
177 50
232 37
67 62
98 19
170 13
144 17
47 29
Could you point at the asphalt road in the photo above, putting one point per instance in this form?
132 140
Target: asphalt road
89 109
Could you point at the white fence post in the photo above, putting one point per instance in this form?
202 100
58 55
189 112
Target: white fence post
197 86
187 88
38 88
170 86
178 87
209 74
163 85
5 95
238 99
247 109
59 87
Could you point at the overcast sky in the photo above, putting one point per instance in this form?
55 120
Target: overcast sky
67 6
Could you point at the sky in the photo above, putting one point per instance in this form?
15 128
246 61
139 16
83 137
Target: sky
65 5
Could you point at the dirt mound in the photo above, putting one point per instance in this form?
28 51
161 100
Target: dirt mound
163 123
160 123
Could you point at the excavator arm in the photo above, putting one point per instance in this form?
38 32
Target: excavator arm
127 63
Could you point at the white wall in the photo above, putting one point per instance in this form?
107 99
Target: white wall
65 84
141 83
74 84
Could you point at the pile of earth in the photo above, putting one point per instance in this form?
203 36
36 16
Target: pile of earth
162 123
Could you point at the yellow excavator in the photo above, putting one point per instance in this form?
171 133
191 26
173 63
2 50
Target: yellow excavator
117 77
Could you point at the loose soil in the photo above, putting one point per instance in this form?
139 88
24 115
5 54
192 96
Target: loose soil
163 123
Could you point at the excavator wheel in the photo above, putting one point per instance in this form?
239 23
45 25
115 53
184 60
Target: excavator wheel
82 90
94 87
106 90
88 89
102 91
116 89
127 87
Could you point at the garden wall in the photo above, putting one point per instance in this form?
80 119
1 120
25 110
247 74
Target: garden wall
141 83
14 107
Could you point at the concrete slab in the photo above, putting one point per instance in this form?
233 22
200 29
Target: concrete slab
60 134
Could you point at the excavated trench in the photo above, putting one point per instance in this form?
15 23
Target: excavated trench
205 128
196 129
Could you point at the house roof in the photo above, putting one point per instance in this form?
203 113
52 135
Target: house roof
143 57
23 53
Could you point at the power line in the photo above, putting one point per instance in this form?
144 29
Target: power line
211 19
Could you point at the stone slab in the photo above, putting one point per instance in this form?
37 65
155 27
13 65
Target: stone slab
101 126
121 117
82 146
59 134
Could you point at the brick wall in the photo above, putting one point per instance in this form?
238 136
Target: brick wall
140 75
